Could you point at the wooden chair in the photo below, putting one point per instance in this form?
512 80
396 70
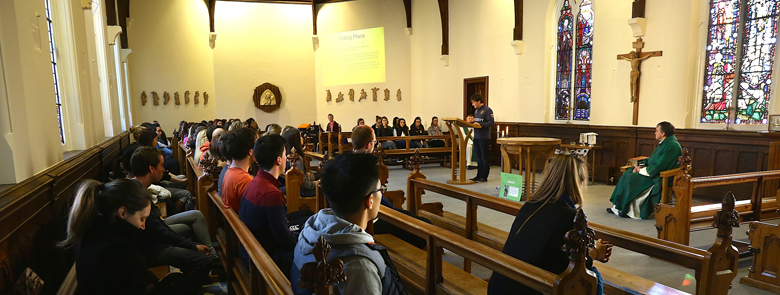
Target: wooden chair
666 176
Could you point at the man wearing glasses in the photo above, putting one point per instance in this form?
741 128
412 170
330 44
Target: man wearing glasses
351 184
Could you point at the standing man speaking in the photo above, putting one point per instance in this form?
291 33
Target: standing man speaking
483 118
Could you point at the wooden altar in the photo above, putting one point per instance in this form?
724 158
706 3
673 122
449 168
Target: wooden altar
530 149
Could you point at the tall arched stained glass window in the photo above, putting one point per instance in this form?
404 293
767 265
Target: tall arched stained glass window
563 77
747 54
584 61
758 56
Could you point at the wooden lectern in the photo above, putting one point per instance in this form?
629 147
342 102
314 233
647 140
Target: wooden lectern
457 135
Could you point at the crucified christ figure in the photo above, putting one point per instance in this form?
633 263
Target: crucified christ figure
635 60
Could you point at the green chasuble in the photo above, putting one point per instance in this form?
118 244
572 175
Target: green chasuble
473 155
631 185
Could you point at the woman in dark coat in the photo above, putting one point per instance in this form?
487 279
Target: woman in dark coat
537 233
103 224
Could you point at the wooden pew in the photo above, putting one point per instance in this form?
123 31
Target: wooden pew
765 246
327 142
445 152
674 222
344 141
263 276
32 214
700 261
424 272
397 198
199 182
293 181
231 232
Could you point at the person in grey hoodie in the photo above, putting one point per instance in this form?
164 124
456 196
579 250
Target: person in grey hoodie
350 183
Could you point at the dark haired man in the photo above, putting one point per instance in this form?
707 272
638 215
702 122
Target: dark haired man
483 118
162 242
639 189
332 125
350 183
239 146
263 208
175 184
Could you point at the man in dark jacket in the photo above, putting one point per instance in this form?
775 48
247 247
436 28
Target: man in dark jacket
263 206
483 118
160 244
351 185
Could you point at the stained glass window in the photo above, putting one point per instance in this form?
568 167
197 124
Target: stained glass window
563 77
753 65
583 61
55 71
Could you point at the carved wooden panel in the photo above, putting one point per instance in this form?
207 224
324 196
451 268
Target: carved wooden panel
765 245
714 152
723 162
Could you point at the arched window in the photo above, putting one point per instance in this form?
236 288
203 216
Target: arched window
563 77
55 72
578 61
740 43
584 61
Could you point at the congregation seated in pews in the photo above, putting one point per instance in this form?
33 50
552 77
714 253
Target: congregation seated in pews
382 249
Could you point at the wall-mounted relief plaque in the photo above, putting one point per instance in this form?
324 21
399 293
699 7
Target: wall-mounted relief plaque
267 97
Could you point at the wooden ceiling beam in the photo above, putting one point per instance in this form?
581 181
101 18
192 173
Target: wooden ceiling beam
408 8
123 10
638 8
211 5
110 10
314 13
518 31
444 10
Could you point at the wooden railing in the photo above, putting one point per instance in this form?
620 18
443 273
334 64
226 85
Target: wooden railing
32 215
263 276
704 263
674 222
575 280
446 138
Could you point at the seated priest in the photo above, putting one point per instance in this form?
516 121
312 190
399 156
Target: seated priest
639 189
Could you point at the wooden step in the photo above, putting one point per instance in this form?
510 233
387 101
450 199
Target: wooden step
411 261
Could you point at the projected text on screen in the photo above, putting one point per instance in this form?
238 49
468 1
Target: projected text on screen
354 57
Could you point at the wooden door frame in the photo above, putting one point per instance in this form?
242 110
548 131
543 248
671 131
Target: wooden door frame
474 80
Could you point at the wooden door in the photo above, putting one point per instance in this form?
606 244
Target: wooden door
471 86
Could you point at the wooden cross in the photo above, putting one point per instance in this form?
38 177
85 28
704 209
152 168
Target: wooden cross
635 58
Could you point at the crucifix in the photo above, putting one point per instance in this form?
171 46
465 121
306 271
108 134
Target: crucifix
635 58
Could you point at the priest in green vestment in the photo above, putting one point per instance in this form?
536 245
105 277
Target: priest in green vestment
638 190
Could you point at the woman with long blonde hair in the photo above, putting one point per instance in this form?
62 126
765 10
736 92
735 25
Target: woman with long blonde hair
537 233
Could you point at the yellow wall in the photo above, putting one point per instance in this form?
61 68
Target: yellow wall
29 137
260 43
171 53
364 14
521 86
